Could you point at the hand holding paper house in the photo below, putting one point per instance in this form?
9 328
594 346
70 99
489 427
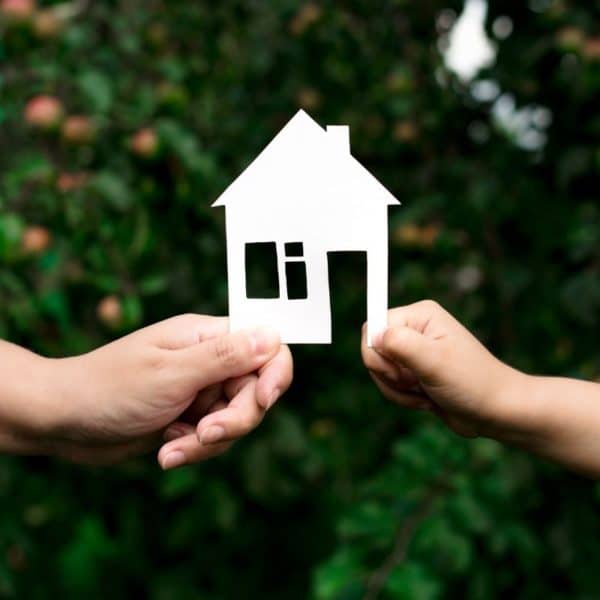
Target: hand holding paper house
305 195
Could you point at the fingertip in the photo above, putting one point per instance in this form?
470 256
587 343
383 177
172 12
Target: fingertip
275 378
287 360
266 399
394 343
369 356
393 336
170 459
188 450
391 343
377 340
265 388
264 340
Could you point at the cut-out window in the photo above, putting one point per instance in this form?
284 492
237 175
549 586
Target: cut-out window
295 271
294 249
262 279
295 276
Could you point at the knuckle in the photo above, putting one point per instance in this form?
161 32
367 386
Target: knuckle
393 313
171 390
191 322
226 352
189 316
397 316
430 305
183 319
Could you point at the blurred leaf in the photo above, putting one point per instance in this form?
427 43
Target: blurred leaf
339 578
55 304
412 581
132 311
83 556
153 284
11 231
97 90
179 483
112 188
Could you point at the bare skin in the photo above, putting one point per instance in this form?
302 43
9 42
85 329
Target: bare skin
184 384
427 360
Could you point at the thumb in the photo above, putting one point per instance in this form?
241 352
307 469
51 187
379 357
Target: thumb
409 348
227 356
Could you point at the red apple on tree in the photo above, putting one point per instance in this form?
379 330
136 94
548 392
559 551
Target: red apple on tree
17 11
44 112
68 182
144 143
35 239
47 24
78 129
110 311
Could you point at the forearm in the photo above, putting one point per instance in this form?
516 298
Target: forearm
556 418
27 409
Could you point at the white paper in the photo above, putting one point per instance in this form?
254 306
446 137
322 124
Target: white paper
305 186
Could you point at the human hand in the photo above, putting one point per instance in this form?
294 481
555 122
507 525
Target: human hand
185 380
427 360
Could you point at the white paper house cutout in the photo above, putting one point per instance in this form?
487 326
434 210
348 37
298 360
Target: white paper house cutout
306 187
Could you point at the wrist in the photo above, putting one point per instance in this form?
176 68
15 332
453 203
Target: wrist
61 393
28 411
516 416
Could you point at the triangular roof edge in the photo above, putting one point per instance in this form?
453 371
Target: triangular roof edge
390 199
300 114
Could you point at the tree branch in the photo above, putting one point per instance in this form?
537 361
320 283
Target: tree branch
402 540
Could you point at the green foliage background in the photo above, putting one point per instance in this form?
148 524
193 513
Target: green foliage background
338 495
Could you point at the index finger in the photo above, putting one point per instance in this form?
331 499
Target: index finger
185 330
274 378
238 418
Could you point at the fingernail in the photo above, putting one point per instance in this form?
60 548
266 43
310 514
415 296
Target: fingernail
264 340
273 398
173 459
213 434
377 339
